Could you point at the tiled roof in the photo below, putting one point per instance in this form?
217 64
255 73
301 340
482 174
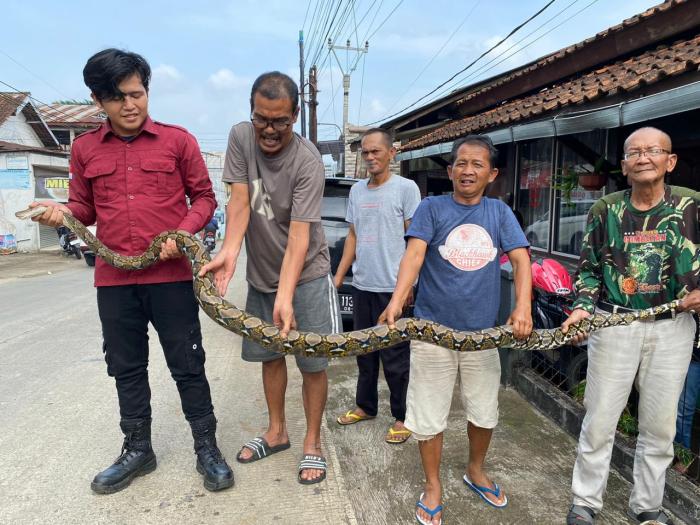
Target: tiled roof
623 76
72 114
558 55
9 102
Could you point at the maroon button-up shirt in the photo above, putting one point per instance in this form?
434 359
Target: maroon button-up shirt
135 190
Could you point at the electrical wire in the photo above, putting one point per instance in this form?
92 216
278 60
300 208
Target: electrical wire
512 32
362 87
36 100
385 20
483 68
34 74
303 26
449 39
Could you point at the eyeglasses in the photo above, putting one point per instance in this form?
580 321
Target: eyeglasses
278 124
649 153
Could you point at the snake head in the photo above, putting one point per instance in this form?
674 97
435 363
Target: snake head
31 212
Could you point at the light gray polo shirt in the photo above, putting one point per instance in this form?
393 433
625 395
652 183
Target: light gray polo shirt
378 216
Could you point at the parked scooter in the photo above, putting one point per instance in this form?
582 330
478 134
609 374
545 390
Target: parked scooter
553 299
68 241
88 254
209 241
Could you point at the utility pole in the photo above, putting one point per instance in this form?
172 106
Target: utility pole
350 67
301 83
347 71
313 102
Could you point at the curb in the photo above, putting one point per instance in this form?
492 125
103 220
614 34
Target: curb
680 495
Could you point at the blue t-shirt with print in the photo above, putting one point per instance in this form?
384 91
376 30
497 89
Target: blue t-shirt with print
459 284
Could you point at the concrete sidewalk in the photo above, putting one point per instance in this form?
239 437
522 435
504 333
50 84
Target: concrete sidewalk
59 420
22 265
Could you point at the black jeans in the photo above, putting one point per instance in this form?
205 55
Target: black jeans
396 361
125 312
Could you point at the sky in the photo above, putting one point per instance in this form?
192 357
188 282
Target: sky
205 55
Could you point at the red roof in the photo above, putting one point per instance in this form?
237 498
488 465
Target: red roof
622 76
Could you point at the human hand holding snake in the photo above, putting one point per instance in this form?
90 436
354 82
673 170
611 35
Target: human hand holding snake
359 342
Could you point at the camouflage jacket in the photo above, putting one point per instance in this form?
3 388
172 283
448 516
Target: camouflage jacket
639 259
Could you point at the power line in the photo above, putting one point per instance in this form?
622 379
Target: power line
327 29
314 26
34 74
362 87
303 26
387 18
369 28
483 68
34 99
362 19
515 30
354 19
464 21
344 16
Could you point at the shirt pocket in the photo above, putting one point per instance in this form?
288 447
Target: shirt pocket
102 175
161 175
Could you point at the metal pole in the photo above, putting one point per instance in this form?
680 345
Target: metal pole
301 83
313 126
346 101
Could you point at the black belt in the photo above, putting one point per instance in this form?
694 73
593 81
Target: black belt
612 308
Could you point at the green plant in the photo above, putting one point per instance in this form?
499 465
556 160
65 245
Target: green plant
566 181
627 424
578 391
684 456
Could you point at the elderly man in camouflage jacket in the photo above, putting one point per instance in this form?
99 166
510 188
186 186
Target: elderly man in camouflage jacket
639 250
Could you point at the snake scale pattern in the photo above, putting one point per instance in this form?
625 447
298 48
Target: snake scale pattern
344 344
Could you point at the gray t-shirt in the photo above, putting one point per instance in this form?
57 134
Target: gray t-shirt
283 188
378 216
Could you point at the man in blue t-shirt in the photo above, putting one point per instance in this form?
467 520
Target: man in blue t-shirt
454 241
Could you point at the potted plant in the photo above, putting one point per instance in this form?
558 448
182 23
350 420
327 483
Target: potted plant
570 178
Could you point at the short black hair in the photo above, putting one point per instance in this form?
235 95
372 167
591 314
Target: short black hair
104 71
476 140
386 136
274 85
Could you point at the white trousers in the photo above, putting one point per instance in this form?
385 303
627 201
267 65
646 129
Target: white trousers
657 353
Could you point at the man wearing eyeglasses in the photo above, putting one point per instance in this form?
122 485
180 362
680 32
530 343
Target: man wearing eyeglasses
639 250
277 180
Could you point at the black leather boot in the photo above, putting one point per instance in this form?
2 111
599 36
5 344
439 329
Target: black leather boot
137 458
210 463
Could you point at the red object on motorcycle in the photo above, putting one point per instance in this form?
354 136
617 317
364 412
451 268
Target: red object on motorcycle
552 277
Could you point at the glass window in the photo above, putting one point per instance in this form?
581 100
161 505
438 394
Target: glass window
534 182
579 183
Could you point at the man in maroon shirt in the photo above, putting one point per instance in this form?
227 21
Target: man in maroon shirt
130 177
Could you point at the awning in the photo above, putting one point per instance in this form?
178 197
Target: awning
670 102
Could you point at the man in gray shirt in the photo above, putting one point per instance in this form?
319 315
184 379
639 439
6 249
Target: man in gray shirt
379 211
277 181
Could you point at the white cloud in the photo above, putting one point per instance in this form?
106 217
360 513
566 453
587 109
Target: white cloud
166 73
225 79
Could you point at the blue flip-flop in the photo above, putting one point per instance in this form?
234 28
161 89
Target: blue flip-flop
482 491
430 512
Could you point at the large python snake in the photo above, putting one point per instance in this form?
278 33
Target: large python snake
345 344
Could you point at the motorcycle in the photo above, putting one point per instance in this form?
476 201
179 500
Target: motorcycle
69 241
553 299
209 241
